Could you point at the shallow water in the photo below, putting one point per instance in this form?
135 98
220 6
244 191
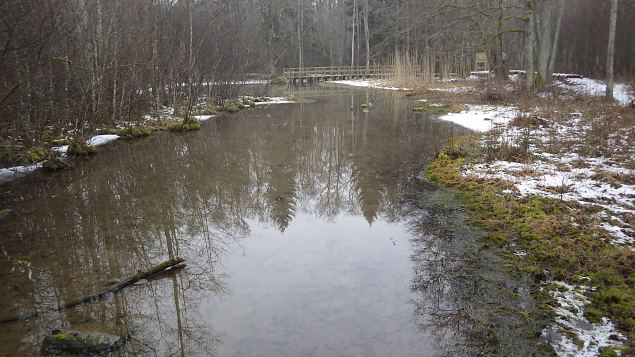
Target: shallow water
305 229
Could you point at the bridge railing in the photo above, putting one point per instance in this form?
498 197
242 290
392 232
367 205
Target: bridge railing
326 72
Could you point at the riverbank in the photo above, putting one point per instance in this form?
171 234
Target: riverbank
550 178
53 154
308 217
553 186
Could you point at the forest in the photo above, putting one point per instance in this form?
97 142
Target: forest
317 177
80 65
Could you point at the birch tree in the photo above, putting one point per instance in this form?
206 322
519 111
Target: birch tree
610 61
366 9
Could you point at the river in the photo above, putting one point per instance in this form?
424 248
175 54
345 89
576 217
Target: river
306 229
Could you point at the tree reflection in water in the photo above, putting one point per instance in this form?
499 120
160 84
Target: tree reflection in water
463 295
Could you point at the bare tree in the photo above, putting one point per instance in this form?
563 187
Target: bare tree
610 58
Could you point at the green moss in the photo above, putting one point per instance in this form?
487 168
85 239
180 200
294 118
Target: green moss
135 132
210 110
249 103
424 107
80 148
189 126
231 108
296 99
53 165
593 315
63 336
60 142
563 239
615 351
36 155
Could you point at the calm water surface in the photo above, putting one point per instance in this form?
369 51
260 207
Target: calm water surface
305 229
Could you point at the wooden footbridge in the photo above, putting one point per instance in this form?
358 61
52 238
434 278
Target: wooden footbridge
322 74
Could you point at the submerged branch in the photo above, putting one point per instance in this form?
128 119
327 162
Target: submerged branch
171 263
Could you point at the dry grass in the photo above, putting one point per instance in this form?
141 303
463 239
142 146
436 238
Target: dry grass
409 71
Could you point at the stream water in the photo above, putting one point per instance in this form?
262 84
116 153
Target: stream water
305 228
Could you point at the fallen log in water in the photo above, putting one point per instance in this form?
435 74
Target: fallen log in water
171 263
84 343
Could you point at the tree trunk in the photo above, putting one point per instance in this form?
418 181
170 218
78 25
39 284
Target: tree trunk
367 33
300 29
499 66
190 83
529 47
610 57
545 40
556 40
353 35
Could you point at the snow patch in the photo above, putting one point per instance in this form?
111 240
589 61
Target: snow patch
276 100
595 88
454 90
369 83
572 334
12 173
203 117
101 139
551 176
482 117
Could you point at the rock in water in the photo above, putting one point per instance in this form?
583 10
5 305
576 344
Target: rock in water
83 342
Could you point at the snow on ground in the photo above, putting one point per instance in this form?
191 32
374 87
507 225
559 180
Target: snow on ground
276 100
553 177
96 140
570 321
203 117
11 173
454 90
482 117
101 139
369 83
595 88
567 176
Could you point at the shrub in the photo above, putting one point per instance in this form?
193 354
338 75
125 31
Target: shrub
80 148
211 110
53 165
231 108
36 155
296 100
135 132
189 126
431 108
